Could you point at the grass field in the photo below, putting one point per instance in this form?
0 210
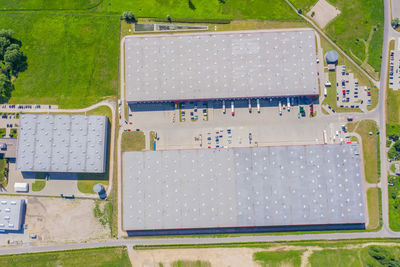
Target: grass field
47 5
374 209
113 256
133 141
3 178
306 5
349 257
394 198
370 145
351 30
152 136
277 259
72 60
232 9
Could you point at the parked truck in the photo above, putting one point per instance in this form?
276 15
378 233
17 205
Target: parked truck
280 108
233 108
258 105
223 106
288 104
21 187
249 106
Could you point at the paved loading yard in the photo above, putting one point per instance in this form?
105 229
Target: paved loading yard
266 127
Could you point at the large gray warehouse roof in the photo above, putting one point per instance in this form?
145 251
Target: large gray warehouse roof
11 214
220 65
243 187
62 143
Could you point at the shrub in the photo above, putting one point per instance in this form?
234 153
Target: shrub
129 17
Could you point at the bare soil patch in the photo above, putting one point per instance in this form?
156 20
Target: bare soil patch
324 12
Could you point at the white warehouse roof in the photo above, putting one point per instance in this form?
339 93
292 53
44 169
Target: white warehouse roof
11 214
219 65
243 187
62 143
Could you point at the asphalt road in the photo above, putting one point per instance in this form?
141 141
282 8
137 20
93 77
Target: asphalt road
378 114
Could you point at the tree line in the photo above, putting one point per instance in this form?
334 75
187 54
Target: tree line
12 62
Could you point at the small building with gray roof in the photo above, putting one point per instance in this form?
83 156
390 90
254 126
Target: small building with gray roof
220 65
62 143
12 213
312 187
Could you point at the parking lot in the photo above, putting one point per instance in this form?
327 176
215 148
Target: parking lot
349 93
275 121
394 73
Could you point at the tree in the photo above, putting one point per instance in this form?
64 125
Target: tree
6 33
129 17
13 56
395 22
4 43
5 87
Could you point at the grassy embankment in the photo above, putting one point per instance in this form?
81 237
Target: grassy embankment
370 147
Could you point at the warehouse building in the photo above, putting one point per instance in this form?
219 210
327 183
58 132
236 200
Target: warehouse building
220 65
62 143
282 188
11 214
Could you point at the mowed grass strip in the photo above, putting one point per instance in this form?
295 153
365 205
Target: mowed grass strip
306 5
277 259
48 5
370 146
231 9
133 141
72 60
351 29
373 199
112 256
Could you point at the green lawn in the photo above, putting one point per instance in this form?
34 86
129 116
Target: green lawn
370 145
113 256
351 257
351 30
393 104
232 9
72 59
394 199
306 5
39 184
47 5
277 259
3 167
133 141
374 200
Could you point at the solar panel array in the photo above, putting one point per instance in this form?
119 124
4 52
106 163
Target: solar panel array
243 187
62 143
220 65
